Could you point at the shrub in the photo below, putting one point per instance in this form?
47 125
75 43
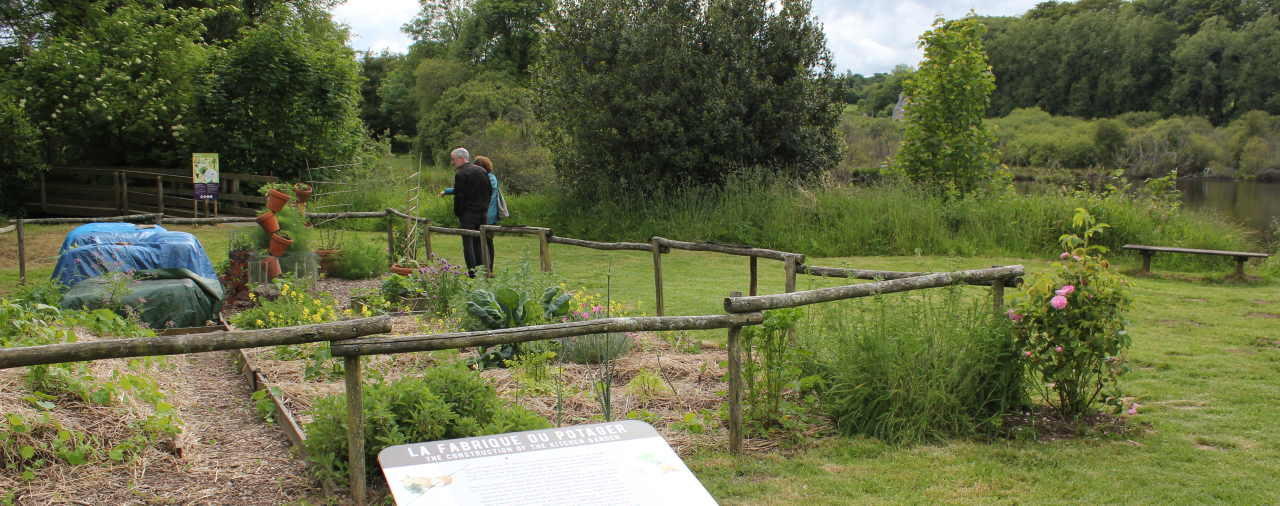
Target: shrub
446 402
594 349
914 367
360 260
768 367
1069 326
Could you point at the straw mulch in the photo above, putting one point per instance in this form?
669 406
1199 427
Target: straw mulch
224 455
691 383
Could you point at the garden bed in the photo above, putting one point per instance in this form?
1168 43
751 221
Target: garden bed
681 392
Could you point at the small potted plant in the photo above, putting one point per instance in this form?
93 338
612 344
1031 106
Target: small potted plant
280 242
302 191
271 265
276 196
405 266
268 221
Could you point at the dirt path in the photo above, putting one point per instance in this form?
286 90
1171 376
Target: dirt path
225 455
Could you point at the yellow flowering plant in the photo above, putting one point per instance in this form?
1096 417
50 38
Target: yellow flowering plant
294 306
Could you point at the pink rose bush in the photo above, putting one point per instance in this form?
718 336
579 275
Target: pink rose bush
1070 325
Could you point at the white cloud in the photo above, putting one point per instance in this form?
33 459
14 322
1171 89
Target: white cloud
375 24
865 36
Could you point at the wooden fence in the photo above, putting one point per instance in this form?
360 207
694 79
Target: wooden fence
82 191
349 339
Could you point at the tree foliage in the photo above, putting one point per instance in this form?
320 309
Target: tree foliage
946 145
669 91
1099 58
280 100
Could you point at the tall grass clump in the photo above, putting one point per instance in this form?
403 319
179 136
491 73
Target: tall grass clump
820 217
915 368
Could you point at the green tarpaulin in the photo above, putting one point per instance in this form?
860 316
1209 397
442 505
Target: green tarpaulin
164 298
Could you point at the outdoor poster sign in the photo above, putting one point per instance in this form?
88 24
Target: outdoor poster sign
204 173
614 463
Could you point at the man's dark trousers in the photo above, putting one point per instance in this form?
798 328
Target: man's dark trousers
471 245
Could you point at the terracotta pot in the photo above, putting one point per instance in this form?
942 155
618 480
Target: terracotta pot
403 271
302 195
272 264
279 245
269 223
328 257
276 200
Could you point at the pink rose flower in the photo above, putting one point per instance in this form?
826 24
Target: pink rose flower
1058 302
1013 315
1075 257
1057 349
1064 255
1066 290
1027 353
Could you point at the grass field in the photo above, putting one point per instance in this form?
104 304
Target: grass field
1206 360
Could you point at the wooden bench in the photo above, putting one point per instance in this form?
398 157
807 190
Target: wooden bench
1148 251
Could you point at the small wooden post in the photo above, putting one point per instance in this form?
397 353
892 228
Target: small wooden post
391 240
115 189
22 252
160 194
124 191
544 250
997 296
735 387
657 272
426 241
1240 266
790 269
1146 260
484 251
755 281
44 199
355 428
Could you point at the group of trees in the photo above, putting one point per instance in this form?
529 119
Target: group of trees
268 84
1102 58
619 90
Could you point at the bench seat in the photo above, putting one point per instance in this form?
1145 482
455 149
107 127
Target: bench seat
1148 251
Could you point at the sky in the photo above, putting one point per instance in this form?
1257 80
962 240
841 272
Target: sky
865 36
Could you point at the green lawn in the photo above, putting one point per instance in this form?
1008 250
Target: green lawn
1206 360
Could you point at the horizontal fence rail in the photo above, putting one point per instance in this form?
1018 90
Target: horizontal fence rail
453 340
803 298
745 251
837 272
190 343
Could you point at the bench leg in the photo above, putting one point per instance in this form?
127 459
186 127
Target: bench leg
1240 266
1146 260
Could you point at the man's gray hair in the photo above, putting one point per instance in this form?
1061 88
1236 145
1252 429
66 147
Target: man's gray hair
461 153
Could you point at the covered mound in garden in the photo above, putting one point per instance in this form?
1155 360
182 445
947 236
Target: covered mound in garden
163 298
96 248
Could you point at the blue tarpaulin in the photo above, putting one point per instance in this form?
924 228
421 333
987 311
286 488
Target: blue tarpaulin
97 248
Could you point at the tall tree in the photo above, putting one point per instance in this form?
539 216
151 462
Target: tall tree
645 93
946 145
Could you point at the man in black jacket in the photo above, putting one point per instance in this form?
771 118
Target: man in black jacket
470 203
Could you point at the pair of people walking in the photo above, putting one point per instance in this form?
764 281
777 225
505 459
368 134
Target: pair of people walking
476 201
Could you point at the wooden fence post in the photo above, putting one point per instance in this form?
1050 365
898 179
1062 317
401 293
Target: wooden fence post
391 240
755 283
124 191
355 428
44 199
997 296
484 251
426 241
790 271
735 387
115 189
544 250
656 246
160 194
22 252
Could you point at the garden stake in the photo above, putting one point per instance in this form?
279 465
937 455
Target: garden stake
355 428
391 240
754 277
544 250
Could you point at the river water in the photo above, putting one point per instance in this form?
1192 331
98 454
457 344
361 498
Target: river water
1252 204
